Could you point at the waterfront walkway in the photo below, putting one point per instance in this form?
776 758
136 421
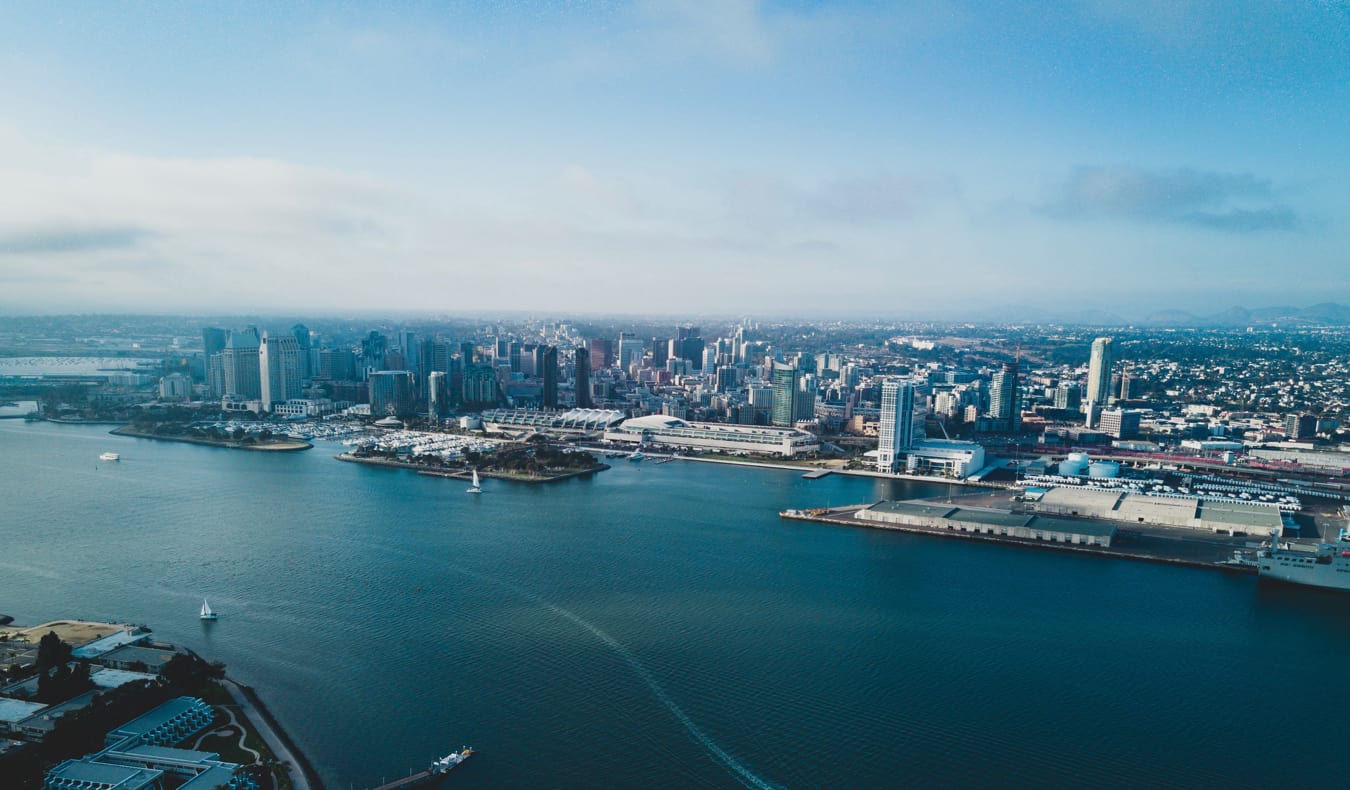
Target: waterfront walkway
270 736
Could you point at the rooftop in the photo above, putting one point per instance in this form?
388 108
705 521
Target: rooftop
12 710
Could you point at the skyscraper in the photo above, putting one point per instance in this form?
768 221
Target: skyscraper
601 353
582 376
1005 402
786 382
391 393
279 368
548 360
438 394
239 363
302 339
897 423
1099 376
213 342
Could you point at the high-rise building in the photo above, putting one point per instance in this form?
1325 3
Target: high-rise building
629 350
660 352
601 353
438 394
391 393
1067 396
303 341
213 342
786 383
279 367
1099 374
897 424
373 348
548 371
480 389
1005 399
1120 423
336 364
582 378
513 355
1300 426
239 364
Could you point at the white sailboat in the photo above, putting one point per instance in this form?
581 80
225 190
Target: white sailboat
475 488
207 614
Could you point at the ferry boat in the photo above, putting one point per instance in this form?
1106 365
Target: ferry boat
110 457
1325 565
449 761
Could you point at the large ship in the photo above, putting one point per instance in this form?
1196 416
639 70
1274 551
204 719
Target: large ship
1323 565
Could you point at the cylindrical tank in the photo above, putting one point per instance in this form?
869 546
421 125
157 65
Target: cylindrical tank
1104 469
1076 465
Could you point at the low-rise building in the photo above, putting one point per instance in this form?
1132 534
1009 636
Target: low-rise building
989 521
721 437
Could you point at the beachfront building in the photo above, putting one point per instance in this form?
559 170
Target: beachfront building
944 457
676 433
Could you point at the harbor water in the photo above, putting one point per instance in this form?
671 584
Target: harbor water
660 626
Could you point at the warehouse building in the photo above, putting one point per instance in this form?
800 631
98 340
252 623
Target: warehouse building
1186 512
987 521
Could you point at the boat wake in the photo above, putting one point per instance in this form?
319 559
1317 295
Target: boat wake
739 770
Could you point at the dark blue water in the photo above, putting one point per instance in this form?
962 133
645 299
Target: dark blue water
659 626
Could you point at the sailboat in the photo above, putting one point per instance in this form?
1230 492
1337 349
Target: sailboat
207 614
475 488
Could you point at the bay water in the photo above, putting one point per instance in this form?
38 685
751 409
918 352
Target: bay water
660 626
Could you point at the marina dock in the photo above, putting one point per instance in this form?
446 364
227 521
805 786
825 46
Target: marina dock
816 474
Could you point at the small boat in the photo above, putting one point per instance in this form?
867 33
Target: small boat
207 614
636 456
475 488
449 761
110 457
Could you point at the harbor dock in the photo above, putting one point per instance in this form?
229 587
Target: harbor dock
993 525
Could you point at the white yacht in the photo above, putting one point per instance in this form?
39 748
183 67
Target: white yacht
110 457
475 488
207 614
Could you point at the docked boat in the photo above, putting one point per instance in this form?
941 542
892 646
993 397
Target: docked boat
1324 565
636 456
475 488
110 457
451 760
207 614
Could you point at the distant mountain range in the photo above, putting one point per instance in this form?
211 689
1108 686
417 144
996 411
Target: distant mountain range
1324 314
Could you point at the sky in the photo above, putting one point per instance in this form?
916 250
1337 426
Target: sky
934 158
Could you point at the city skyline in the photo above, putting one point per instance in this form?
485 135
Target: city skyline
944 160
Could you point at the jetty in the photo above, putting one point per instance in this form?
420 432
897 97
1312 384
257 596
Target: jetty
816 474
438 769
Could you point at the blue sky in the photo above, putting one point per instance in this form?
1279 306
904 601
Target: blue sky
916 159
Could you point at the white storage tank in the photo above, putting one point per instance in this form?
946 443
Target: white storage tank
1075 466
1104 469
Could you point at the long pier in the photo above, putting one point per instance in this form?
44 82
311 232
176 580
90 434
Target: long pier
414 780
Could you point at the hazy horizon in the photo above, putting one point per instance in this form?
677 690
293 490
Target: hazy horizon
942 160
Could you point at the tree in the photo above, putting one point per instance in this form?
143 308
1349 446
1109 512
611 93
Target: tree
52 652
238 434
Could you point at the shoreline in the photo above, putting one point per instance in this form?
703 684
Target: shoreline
842 517
308 778
288 446
464 475
265 723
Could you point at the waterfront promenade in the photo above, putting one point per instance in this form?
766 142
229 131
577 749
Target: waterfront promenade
302 775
